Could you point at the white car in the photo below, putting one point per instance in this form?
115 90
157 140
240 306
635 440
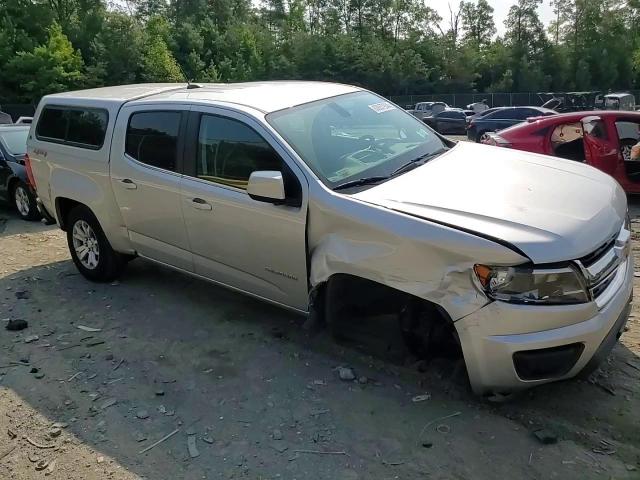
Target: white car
328 200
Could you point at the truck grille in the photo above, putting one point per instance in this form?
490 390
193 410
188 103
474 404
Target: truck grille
594 256
600 267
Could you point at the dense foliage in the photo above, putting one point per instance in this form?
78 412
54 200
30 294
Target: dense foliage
390 46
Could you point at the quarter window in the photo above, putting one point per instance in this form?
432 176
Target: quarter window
152 138
229 151
80 127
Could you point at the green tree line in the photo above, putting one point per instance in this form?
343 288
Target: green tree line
391 46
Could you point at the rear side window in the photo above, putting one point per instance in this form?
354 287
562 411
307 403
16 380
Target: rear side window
502 114
79 127
152 138
52 124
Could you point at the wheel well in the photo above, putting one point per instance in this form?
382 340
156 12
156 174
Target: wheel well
63 207
425 327
12 184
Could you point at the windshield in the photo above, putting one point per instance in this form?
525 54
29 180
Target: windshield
353 136
15 140
611 103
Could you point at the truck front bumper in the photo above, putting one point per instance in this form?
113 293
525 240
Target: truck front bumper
510 347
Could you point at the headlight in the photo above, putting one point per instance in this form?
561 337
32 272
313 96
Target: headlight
528 285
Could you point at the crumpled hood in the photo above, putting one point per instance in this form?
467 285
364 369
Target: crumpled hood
550 209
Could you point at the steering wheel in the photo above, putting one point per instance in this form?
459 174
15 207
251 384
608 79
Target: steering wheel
382 145
368 138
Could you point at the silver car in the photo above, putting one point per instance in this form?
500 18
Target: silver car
331 201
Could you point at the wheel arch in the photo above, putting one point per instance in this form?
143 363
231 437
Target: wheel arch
116 234
346 303
340 281
64 206
12 181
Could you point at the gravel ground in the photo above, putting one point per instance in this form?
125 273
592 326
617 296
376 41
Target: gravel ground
242 390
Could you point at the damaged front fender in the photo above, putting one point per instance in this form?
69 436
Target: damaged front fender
411 255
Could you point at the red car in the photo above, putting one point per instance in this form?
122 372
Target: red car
602 139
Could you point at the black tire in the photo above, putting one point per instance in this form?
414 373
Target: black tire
107 264
480 134
24 201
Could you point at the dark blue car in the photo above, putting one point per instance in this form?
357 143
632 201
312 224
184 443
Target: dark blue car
14 184
502 118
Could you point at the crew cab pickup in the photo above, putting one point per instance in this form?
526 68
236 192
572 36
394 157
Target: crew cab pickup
331 201
424 110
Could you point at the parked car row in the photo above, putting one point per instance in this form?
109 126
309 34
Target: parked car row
475 124
329 200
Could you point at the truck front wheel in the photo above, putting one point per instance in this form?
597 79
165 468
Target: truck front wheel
90 249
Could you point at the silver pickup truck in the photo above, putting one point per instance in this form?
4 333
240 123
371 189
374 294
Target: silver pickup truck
423 110
328 200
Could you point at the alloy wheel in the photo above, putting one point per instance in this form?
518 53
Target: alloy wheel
85 244
22 201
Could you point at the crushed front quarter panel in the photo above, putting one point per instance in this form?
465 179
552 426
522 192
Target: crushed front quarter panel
430 261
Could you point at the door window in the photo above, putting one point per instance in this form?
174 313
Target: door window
628 135
628 131
594 127
503 114
152 138
229 151
450 115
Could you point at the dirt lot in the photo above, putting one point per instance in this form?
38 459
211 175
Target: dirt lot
257 394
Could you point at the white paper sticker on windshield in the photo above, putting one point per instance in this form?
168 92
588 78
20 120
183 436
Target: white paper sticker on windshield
381 107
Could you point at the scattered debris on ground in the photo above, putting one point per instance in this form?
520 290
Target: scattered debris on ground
169 377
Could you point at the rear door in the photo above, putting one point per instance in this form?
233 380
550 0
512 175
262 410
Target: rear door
250 245
442 122
452 122
146 159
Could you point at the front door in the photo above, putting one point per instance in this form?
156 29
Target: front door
146 179
600 148
250 245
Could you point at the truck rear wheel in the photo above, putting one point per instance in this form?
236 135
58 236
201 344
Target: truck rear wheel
90 249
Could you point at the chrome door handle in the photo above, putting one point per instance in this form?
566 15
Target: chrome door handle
128 184
201 204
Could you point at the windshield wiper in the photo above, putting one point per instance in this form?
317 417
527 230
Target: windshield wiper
416 162
361 181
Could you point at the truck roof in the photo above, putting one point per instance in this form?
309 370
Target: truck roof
120 93
264 96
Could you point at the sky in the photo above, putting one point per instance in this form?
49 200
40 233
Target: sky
501 8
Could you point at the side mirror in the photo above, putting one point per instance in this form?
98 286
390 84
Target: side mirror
266 186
